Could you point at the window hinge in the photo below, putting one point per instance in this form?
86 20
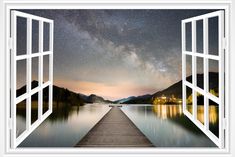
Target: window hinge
10 43
224 43
224 123
10 123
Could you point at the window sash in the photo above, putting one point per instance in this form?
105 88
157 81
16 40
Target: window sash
219 141
15 141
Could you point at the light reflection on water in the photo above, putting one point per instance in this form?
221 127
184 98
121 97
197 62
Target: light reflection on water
213 116
164 111
171 111
166 125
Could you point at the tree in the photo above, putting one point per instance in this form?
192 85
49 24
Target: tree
190 99
212 91
155 100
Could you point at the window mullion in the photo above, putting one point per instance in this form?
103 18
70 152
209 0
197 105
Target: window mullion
40 71
221 77
29 71
183 66
51 46
194 75
206 79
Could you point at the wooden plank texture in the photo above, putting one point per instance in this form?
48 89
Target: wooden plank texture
115 129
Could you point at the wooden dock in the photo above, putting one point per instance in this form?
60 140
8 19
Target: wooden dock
115 129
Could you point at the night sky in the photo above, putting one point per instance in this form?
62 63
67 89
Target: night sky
117 53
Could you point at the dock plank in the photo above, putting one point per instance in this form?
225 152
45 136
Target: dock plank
115 129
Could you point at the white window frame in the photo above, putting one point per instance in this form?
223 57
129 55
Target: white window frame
219 141
15 141
116 4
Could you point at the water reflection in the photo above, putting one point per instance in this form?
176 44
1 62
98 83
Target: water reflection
167 126
65 126
174 111
213 114
171 111
164 125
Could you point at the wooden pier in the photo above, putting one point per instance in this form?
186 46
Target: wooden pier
115 129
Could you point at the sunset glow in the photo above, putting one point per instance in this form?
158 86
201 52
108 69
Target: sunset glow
111 92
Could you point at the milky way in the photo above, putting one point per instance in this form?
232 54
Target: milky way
117 53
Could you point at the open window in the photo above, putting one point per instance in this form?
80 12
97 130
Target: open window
203 57
31 73
31 47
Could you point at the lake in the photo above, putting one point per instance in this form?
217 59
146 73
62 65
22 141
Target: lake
167 126
65 126
164 125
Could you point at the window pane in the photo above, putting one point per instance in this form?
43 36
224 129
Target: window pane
45 99
21 38
34 108
214 118
200 79
46 34
35 36
21 77
188 34
35 66
189 68
213 35
213 77
45 68
199 36
20 118
200 108
189 100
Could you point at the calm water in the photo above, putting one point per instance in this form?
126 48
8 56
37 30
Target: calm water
166 125
64 127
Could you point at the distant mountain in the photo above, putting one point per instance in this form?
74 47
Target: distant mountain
124 100
96 99
175 89
143 99
64 95
84 97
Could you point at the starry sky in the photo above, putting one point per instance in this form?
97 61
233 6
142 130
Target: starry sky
117 53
